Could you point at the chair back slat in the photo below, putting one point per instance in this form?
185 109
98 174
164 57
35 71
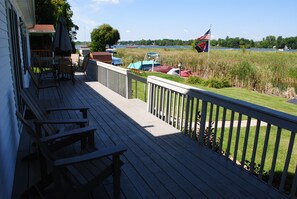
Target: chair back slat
33 135
35 107
33 77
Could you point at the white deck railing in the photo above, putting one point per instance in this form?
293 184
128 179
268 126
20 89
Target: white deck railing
118 79
114 78
252 136
255 138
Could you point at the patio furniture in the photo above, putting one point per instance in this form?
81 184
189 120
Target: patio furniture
50 126
75 174
75 59
66 68
43 84
84 66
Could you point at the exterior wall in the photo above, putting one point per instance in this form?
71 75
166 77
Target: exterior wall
9 131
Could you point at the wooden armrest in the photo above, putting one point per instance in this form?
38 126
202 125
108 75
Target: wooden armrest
84 110
114 150
68 121
78 131
48 110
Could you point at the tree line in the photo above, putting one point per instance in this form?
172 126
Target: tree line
267 42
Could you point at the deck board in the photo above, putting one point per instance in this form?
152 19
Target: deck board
160 162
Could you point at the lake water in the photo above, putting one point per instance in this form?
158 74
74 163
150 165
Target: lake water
212 48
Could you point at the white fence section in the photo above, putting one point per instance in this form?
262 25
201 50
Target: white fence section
113 77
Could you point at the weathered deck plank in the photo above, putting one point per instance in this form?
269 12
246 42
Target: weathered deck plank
160 161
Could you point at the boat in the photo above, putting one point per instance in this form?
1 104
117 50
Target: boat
151 59
116 61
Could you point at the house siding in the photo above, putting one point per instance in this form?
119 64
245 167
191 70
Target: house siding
9 132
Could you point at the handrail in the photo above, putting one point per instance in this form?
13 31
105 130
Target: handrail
118 79
232 128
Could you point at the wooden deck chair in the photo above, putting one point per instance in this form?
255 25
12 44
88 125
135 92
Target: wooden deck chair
43 84
50 126
78 173
75 59
84 66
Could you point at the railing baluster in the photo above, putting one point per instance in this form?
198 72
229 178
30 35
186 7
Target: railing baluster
178 112
246 139
267 135
162 102
288 158
294 185
157 101
191 117
222 130
209 125
195 120
145 91
215 128
168 107
278 135
187 115
237 137
230 135
150 97
182 112
136 89
174 118
255 146
202 122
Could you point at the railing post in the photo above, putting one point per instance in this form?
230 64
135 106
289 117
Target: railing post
128 85
149 99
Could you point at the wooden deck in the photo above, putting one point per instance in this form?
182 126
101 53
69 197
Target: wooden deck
160 162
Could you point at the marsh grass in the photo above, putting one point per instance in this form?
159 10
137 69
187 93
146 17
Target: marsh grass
265 72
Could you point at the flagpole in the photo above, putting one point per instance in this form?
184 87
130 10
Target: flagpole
208 49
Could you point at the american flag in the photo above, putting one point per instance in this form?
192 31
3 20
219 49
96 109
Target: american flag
206 36
202 45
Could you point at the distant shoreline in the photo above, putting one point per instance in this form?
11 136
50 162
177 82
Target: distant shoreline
189 47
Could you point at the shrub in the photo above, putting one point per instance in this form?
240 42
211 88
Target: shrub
217 83
195 80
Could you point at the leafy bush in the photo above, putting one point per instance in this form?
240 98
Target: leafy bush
195 80
217 83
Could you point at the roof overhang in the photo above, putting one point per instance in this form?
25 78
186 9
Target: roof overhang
26 9
42 29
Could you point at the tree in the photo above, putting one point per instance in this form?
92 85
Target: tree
49 11
102 36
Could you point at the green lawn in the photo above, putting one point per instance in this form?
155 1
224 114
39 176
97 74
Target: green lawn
273 102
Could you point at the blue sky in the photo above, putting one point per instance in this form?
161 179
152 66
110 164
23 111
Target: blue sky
187 19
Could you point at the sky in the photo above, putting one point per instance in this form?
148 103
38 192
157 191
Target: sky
186 19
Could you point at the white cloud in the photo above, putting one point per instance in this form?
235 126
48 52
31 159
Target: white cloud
186 31
128 31
107 1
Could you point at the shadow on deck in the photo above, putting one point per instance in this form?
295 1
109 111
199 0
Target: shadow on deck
160 162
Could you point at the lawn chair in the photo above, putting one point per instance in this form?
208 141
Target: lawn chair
43 84
76 174
84 66
50 126
75 59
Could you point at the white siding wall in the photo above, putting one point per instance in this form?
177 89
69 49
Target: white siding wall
9 133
